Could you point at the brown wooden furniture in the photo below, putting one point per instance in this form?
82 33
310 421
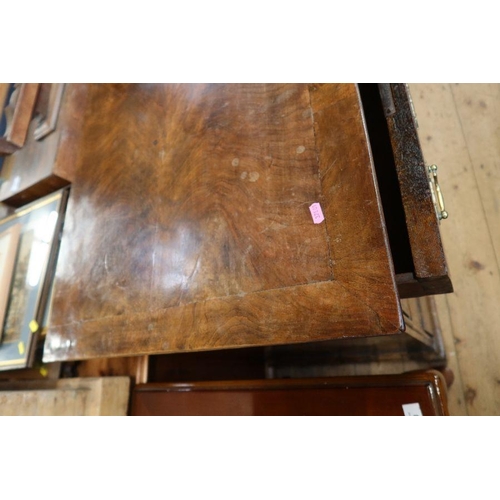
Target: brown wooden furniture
188 224
342 396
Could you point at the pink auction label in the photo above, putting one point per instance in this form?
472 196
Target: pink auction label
317 213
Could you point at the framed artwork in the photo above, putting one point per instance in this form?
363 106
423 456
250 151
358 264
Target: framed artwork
9 239
47 109
34 230
17 103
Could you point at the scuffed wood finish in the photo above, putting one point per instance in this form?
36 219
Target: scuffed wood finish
430 268
342 396
44 166
188 225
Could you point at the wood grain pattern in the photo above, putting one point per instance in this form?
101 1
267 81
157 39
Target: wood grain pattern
459 130
383 395
191 202
136 368
419 348
108 396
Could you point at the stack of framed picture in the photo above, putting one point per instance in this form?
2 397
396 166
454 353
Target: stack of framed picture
29 241
17 104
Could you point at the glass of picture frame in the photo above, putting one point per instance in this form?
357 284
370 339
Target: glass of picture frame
29 237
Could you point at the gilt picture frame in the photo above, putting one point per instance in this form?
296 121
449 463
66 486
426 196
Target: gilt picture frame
39 225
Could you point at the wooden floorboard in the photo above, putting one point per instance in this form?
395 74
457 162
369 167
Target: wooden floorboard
459 130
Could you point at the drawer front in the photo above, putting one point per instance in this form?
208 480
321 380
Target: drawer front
409 210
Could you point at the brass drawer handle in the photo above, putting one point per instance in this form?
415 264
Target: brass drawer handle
437 195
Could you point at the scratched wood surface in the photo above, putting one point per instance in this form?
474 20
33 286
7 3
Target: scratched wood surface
459 130
188 225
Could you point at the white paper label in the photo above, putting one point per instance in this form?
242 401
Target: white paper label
412 410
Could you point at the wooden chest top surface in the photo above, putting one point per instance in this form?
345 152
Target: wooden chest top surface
188 224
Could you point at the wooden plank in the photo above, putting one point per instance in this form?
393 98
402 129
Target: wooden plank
135 367
71 397
106 395
43 403
197 222
478 107
456 392
468 232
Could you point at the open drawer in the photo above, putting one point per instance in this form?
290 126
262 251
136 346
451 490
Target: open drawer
405 187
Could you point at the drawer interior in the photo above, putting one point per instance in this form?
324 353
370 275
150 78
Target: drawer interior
387 178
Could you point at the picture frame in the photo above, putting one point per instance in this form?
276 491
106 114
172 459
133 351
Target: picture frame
9 240
39 225
17 104
51 95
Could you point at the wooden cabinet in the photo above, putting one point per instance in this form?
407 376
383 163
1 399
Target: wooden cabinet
342 396
188 226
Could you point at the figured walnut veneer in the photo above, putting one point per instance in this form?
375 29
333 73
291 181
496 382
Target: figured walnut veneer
188 225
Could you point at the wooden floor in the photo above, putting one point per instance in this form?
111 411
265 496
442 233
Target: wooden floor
459 127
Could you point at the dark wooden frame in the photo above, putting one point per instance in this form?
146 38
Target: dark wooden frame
20 353
18 124
48 122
